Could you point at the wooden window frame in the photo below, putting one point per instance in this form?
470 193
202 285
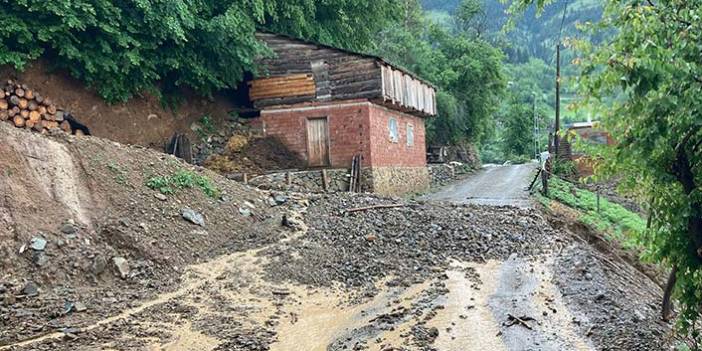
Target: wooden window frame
410 127
396 138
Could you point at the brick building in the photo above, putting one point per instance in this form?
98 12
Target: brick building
329 105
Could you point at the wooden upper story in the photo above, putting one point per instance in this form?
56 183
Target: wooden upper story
300 71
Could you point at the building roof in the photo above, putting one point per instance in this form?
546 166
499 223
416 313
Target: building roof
352 52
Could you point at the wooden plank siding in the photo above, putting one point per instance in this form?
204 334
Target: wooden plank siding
334 74
278 87
402 90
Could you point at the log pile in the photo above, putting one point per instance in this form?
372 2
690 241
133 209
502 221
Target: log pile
26 108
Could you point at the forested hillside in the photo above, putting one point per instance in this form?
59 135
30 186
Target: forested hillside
528 41
534 33
123 48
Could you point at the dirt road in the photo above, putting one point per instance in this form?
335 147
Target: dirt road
492 185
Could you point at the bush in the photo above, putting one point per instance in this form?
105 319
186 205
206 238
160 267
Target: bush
564 168
168 185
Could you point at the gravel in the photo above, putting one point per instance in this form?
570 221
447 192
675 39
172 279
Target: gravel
407 244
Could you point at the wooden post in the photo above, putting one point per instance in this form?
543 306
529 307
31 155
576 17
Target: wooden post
325 180
246 179
557 127
598 202
288 179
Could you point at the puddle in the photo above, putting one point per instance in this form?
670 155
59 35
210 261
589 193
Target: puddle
325 317
466 322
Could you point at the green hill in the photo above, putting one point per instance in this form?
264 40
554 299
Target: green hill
534 35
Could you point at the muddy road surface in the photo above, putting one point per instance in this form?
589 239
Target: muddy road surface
92 259
492 185
417 277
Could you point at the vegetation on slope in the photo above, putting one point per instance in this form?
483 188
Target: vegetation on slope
122 48
610 218
645 83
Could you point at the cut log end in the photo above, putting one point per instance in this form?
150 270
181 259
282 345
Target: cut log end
19 121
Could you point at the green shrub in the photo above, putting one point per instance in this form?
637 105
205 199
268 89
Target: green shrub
182 179
613 219
564 168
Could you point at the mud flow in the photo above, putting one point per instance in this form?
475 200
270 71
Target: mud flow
94 259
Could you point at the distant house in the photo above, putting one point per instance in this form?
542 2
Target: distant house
588 132
329 105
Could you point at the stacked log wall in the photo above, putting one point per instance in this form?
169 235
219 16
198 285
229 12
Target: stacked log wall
26 108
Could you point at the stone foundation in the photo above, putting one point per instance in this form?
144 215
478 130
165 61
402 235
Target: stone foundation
392 181
397 181
304 181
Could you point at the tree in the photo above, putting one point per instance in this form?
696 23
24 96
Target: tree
653 68
122 48
518 126
466 69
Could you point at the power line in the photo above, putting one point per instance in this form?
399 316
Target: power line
560 31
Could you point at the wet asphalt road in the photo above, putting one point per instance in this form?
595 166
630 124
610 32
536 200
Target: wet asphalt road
492 185
522 288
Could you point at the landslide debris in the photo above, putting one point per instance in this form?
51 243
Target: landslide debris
79 227
407 244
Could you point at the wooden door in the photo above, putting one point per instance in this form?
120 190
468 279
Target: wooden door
317 142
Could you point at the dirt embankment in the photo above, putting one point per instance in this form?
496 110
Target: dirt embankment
143 120
76 214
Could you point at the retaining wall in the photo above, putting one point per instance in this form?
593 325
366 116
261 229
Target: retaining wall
397 181
304 181
444 173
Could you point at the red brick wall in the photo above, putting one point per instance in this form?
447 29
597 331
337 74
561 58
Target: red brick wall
386 153
348 124
354 127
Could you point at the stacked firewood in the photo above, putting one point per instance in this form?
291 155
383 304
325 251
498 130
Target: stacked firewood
28 109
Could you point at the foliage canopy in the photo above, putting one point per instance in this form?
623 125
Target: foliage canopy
122 48
653 70
466 68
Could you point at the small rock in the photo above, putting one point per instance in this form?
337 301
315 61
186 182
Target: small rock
98 265
271 202
30 289
70 336
160 196
371 237
122 266
280 199
244 212
37 243
68 229
193 217
40 259
79 307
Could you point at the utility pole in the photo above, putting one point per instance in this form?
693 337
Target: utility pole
536 131
556 134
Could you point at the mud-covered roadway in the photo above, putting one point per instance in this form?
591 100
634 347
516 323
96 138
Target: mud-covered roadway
424 276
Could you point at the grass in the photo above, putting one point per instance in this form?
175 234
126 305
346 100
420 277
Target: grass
182 179
611 218
120 174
